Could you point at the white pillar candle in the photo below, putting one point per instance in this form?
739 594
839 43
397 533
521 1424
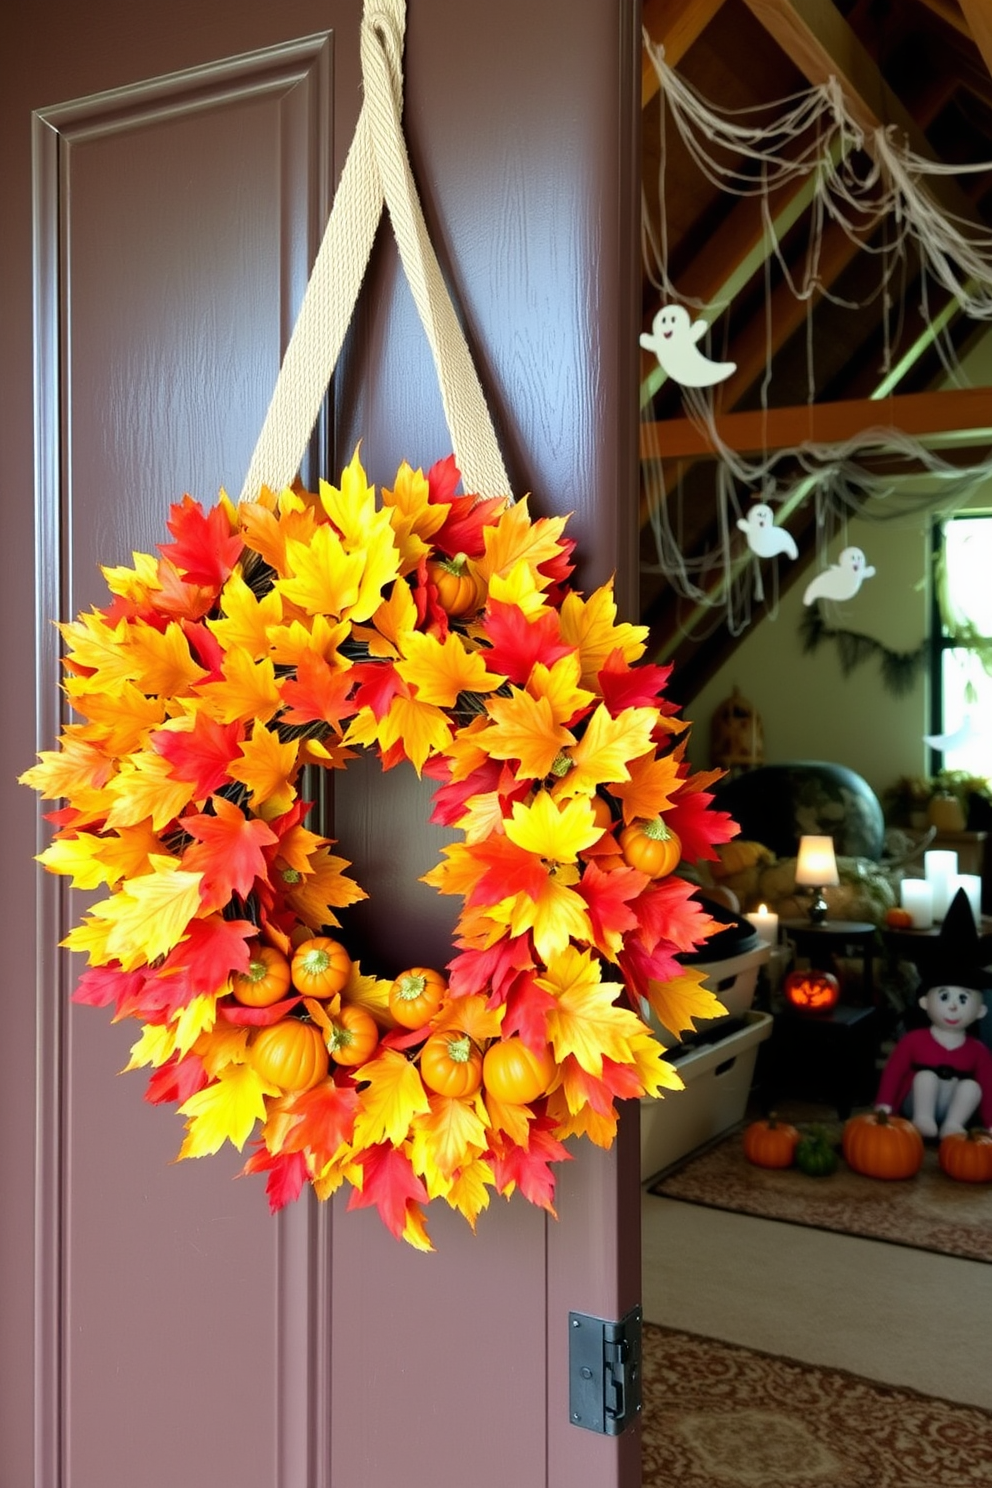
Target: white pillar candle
972 885
765 921
916 895
940 867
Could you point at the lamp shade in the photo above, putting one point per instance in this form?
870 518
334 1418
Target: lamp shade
816 866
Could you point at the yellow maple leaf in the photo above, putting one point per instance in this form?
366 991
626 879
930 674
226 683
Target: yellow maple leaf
483 816
445 1138
522 587
585 1020
555 916
654 1070
144 789
248 691
524 728
650 788
101 648
77 767
77 858
599 1127
415 1228
148 915
589 625
471 1015
268 768
128 852
324 888
394 1095
288 643
267 532
394 621
246 619
161 661
515 537
135 583
603 754
224 1111
413 517
440 670
469 1189
510 1118
365 530
421 728
120 721
560 685
225 1044
553 830
296 847
678 1002
466 752
196 1018
156 1045
370 993
324 578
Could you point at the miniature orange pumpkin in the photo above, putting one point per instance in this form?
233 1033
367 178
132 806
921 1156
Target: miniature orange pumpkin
898 918
812 991
880 1145
290 1054
967 1156
770 1143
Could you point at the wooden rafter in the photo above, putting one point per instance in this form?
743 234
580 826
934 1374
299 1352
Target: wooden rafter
978 16
675 25
961 416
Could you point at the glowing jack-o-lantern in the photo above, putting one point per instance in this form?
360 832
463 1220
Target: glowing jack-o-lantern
812 991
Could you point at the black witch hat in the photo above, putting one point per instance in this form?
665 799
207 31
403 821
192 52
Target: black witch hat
962 954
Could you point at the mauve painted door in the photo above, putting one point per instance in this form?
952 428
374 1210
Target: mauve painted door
167 169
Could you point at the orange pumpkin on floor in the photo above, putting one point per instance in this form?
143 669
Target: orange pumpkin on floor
967 1156
881 1145
770 1143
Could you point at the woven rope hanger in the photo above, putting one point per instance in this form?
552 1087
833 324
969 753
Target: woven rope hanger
376 172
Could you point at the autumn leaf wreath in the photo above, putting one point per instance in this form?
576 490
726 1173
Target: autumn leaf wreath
427 627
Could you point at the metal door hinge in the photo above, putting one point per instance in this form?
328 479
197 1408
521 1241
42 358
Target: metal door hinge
604 1371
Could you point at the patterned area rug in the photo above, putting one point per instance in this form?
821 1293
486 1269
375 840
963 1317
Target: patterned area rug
928 1212
720 1416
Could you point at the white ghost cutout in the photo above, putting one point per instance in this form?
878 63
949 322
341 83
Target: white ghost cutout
673 340
842 580
966 733
763 537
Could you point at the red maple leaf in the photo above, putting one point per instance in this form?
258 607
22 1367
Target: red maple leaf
390 1184
328 1113
212 949
527 1009
558 569
287 1174
102 985
463 526
622 1079
379 684
442 481
317 693
205 549
257 1017
517 643
667 911
596 1092
228 851
641 966
626 686
529 1167
450 799
608 897
178 598
496 968
202 754
206 649
177 1079
695 823
509 870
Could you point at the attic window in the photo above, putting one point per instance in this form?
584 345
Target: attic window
962 630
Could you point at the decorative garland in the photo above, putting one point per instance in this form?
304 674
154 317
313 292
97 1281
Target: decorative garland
430 628
899 668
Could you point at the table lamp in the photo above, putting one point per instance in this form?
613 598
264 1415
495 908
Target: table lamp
816 867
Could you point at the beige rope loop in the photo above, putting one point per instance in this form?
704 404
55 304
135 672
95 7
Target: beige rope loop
377 170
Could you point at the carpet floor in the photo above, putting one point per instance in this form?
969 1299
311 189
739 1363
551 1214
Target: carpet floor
928 1212
717 1415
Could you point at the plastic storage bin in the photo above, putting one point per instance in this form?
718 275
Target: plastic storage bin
717 1079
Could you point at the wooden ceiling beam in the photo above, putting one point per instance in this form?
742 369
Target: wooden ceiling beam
818 39
674 25
960 416
979 20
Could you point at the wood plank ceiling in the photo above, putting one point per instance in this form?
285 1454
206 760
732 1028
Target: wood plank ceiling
922 67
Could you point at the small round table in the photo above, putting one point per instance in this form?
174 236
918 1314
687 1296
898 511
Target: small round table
829 938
